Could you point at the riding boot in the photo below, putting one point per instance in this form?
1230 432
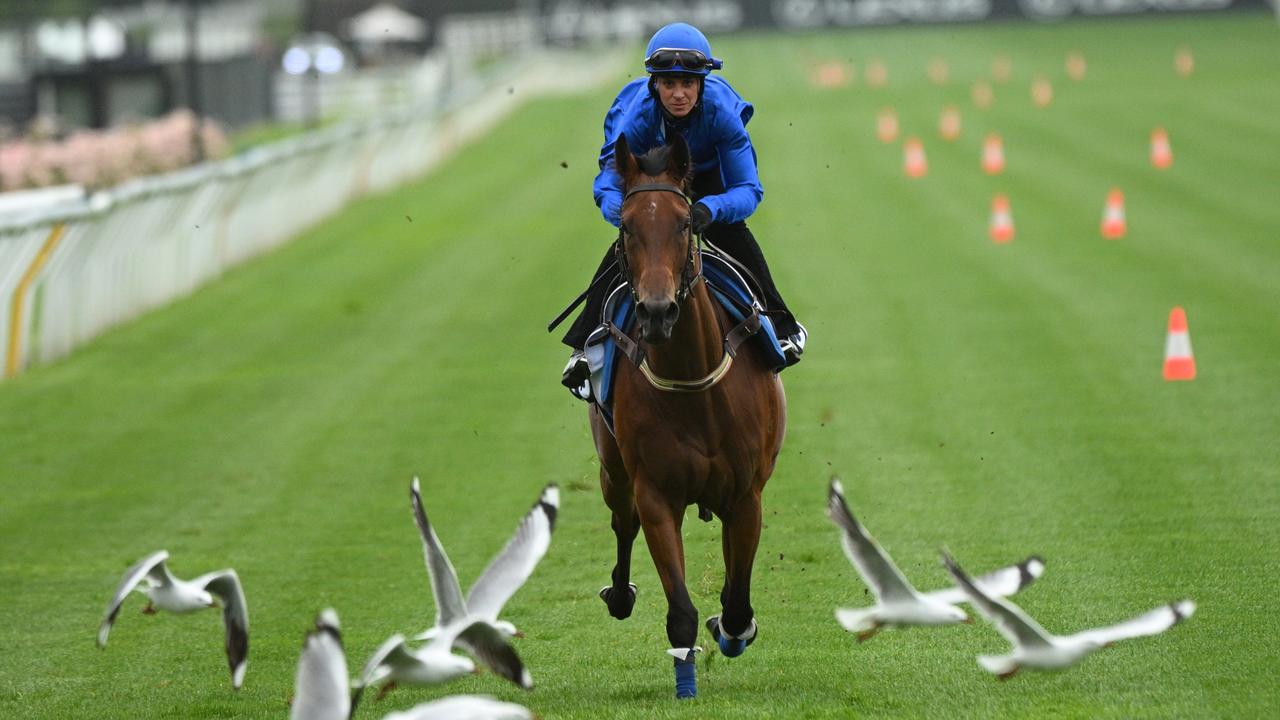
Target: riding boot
736 240
576 371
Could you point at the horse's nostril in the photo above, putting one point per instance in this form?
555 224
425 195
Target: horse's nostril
650 310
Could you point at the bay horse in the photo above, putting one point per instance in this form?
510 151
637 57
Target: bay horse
691 425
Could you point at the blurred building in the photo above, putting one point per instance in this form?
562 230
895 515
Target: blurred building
124 61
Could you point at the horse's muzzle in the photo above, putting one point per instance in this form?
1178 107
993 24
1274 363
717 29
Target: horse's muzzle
657 318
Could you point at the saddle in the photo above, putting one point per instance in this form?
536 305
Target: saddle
727 285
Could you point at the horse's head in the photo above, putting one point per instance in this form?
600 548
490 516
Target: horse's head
656 235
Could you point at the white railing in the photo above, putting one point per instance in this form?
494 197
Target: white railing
70 272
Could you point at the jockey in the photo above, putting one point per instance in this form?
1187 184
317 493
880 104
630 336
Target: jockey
681 96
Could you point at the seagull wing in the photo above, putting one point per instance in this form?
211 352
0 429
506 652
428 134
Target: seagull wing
998 583
391 652
489 646
321 689
444 580
513 566
152 567
235 618
865 553
464 707
1153 622
1008 618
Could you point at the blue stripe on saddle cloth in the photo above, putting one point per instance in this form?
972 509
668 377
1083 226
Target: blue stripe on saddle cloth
603 355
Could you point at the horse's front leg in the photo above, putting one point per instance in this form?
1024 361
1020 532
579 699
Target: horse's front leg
661 522
735 628
620 596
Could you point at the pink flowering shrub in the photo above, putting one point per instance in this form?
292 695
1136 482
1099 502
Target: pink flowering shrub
98 159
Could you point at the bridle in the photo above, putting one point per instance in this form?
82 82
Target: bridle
689 276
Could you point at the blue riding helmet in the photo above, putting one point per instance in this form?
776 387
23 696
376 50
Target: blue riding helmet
680 48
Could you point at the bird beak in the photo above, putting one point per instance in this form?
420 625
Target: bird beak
477 670
519 634
967 620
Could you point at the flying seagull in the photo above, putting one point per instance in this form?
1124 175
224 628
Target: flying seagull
471 625
321 689
505 574
464 707
898 604
166 592
1036 648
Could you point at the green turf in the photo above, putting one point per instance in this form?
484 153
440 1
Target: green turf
1000 400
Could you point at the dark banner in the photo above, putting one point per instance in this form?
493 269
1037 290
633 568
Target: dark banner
585 19
503 23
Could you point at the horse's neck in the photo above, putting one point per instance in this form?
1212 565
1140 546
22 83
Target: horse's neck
697 344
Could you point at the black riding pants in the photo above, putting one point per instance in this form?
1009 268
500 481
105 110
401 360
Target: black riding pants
733 238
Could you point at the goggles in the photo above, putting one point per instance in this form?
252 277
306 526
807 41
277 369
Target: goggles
664 59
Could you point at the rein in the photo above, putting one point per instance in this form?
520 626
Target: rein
744 330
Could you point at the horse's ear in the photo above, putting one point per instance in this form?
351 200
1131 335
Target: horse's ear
624 160
678 159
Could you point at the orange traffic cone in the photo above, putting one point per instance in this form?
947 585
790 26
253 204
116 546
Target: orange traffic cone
981 94
887 125
1161 153
1076 66
1001 220
949 123
913 159
993 155
1041 92
832 74
1001 69
939 71
877 73
1184 62
1113 222
1178 362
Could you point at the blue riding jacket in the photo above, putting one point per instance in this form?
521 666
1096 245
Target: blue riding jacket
715 131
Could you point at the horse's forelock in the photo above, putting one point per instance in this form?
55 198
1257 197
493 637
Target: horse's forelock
654 163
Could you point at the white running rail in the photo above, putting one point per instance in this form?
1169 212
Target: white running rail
70 271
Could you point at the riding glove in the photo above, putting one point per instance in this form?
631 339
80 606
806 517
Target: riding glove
700 217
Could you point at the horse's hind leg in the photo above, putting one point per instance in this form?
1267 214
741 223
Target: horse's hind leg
661 523
740 536
620 596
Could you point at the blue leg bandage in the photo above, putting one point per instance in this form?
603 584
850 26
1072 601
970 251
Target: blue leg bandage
686 678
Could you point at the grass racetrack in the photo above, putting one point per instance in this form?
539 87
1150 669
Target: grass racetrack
999 399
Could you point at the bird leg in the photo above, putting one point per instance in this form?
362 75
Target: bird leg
866 635
385 689
149 609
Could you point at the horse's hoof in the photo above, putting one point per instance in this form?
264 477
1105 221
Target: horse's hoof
731 646
620 603
686 678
